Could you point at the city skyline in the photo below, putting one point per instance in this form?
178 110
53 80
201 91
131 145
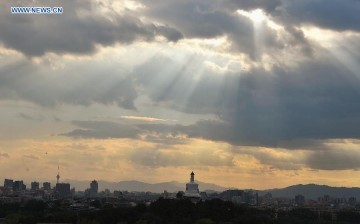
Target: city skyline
248 94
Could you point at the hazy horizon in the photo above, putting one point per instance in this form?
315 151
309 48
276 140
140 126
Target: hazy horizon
246 93
81 185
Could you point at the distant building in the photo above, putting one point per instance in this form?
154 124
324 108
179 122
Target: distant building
192 189
300 200
268 196
236 196
94 188
19 186
47 186
63 190
35 186
8 183
327 198
165 195
352 201
118 194
203 196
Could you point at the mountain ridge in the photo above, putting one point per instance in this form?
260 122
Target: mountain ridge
134 185
310 191
313 191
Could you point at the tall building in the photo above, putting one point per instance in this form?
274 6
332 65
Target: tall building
63 190
8 183
47 186
58 175
94 188
35 186
300 200
19 185
192 189
352 201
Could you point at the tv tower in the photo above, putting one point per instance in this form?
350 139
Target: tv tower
58 176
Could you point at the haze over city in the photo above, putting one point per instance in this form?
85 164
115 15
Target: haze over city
248 94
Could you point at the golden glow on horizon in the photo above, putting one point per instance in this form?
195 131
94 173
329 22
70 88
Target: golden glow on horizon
125 159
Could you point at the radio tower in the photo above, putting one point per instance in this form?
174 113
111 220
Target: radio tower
58 176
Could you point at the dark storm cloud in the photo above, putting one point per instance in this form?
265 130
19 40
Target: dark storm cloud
78 30
205 19
338 15
81 28
315 100
81 85
285 107
334 159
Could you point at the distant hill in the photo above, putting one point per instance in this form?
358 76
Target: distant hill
310 191
313 191
142 186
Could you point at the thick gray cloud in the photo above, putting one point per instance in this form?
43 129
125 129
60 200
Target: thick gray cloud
205 19
78 30
320 156
315 100
81 28
338 15
334 159
311 100
77 85
283 107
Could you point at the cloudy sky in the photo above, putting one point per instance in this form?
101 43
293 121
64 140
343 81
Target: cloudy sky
247 93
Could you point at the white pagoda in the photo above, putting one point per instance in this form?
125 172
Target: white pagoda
192 189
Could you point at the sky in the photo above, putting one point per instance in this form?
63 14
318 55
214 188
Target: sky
246 93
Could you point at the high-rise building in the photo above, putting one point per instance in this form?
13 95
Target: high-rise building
8 183
300 200
47 186
58 175
352 201
35 186
94 188
63 190
19 185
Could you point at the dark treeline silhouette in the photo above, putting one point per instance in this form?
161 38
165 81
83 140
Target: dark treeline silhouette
166 211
